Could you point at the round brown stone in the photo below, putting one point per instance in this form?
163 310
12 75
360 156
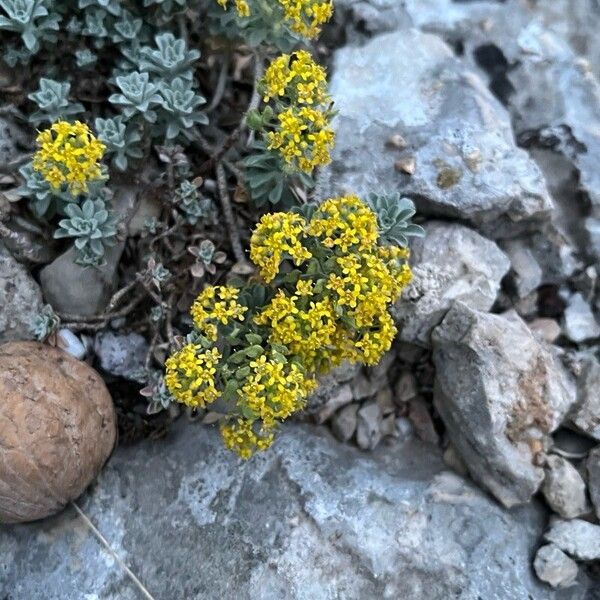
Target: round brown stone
57 429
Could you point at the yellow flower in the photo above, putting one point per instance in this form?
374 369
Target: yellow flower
306 17
69 154
214 305
241 6
190 375
303 135
276 237
296 77
239 435
345 222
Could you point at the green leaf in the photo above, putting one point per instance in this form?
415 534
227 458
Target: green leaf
253 338
243 372
254 351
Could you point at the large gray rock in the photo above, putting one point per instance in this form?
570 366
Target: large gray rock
467 163
20 299
77 290
311 519
499 391
557 103
452 262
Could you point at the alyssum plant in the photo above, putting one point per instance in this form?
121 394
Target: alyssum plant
328 280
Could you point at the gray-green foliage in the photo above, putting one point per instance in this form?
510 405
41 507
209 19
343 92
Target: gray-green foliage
191 203
44 323
264 26
269 182
52 98
121 141
394 214
93 228
32 20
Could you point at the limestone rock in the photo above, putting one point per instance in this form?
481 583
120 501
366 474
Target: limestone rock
343 423
553 566
452 262
577 538
122 355
58 429
368 426
580 323
499 392
585 414
74 289
20 299
312 519
468 165
564 488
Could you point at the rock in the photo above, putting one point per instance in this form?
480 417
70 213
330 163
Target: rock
585 414
580 324
553 566
467 163
592 229
343 423
454 461
368 426
404 428
452 262
526 272
365 387
564 488
556 103
341 396
420 417
388 426
122 355
499 392
58 429
322 399
547 330
74 289
311 519
20 299
577 538
406 388
593 470
66 340
385 399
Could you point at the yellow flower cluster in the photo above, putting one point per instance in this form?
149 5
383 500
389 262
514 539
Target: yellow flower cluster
306 17
303 17
274 390
276 238
302 134
345 222
190 375
261 357
363 280
241 6
216 304
241 436
69 154
296 76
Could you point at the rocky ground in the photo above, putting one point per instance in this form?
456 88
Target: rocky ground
484 421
